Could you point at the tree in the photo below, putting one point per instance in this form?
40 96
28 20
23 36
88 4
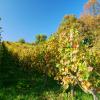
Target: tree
21 40
73 65
0 32
92 7
0 38
40 38
1 48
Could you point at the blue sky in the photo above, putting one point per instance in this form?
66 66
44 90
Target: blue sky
26 18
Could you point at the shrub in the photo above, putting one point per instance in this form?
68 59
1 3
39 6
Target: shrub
21 40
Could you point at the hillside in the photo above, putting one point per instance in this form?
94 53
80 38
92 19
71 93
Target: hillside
65 66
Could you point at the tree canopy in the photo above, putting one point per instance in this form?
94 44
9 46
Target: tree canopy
40 38
21 40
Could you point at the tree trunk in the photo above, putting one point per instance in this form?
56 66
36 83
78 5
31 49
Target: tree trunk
94 95
72 91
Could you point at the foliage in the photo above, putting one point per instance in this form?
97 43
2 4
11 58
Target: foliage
1 48
73 66
40 38
20 84
40 57
21 40
28 84
1 53
92 7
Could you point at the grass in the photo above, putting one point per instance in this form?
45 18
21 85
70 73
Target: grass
17 83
